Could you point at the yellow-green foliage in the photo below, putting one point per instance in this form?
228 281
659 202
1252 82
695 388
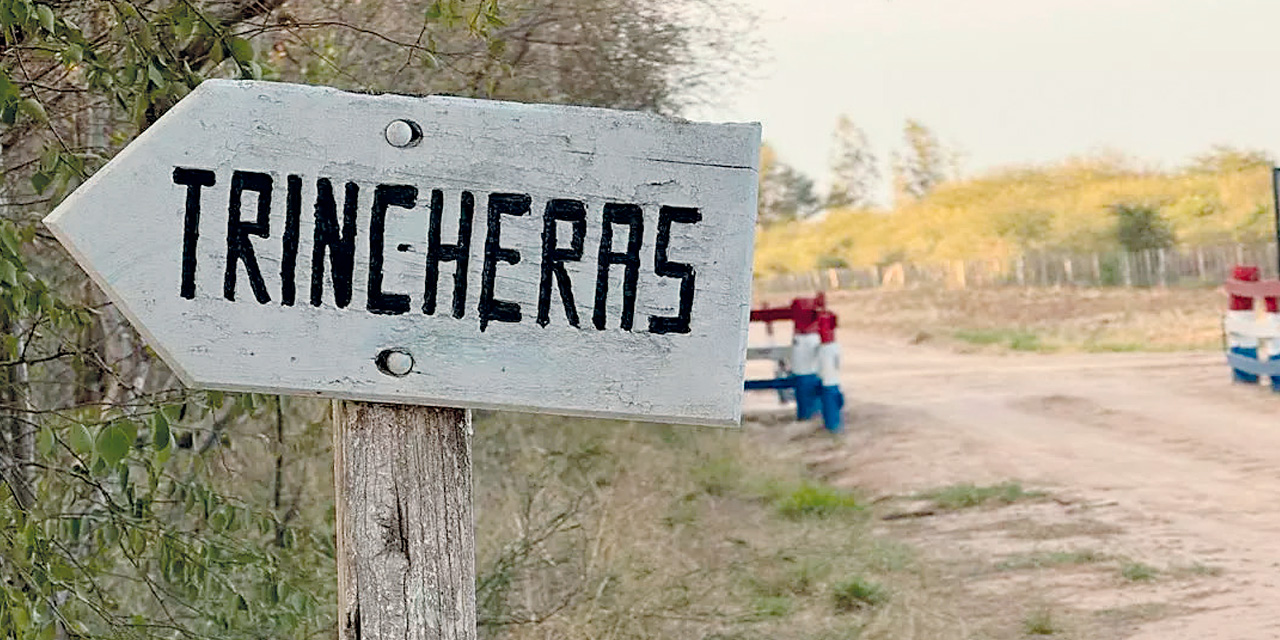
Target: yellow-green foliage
1224 198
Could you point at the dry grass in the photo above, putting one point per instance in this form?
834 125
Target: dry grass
597 529
1066 319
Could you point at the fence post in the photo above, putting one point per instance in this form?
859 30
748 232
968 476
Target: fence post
1164 278
1097 269
1022 270
1128 275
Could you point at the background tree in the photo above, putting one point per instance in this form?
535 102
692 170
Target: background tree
627 54
1220 159
855 170
1141 227
1027 229
786 194
922 164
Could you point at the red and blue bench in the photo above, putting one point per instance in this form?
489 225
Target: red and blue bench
809 369
1252 330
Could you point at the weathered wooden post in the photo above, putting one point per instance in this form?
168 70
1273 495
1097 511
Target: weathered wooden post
416 257
406 546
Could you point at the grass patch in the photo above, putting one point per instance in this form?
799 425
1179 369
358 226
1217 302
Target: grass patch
890 556
1040 623
772 606
798 578
858 592
1115 347
1044 559
1015 339
718 476
1138 572
1196 569
813 500
966 495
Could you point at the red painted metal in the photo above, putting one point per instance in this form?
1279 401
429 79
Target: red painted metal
1244 287
827 326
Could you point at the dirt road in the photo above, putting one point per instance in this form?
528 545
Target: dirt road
1150 458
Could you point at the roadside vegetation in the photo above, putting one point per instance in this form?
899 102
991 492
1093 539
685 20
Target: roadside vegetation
1041 320
590 529
1090 204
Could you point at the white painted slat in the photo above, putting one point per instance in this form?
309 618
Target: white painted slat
776 352
1252 328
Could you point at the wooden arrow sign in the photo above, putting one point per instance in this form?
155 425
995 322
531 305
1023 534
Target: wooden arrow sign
439 251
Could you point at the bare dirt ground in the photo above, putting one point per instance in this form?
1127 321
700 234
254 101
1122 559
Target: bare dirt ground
1162 515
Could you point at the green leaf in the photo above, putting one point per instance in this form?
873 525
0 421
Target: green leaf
160 432
184 26
21 10
130 429
45 442
8 274
171 412
434 11
154 74
74 53
9 238
81 441
112 444
40 181
240 49
34 109
46 17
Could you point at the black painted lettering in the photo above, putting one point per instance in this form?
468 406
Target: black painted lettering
664 267
239 249
553 257
458 253
500 204
289 260
193 179
385 195
341 248
632 216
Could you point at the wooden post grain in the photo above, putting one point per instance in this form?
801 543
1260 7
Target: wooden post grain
406 540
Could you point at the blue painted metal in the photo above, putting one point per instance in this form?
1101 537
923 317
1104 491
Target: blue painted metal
832 409
812 398
808 395
773 383
1247 368
1247 357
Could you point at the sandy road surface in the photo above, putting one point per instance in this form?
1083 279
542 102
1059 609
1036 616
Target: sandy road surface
1165 459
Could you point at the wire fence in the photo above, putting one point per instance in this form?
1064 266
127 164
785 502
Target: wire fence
1182 266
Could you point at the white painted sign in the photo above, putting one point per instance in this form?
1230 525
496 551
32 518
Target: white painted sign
289 239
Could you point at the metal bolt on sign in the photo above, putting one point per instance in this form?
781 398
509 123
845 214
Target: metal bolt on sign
403 133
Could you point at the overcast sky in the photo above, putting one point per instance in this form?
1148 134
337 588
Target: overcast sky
1015 81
